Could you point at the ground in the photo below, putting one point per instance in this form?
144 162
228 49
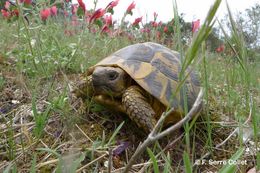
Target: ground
75 127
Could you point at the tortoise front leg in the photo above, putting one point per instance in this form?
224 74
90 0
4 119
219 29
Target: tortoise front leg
110 103
138 108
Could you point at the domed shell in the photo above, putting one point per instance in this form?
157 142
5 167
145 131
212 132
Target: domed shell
156 69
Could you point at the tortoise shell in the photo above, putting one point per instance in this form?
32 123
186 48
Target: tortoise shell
156 69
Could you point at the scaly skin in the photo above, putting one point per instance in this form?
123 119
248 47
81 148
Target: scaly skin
110 103
84 88
138 108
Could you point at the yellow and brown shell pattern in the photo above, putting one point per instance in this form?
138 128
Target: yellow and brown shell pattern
156 69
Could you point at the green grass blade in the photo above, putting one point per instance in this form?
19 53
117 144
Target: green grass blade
60 163
155 164
8 168
34 109
112 138
49 151
76 163
230 168
33 166
206 86
177 27
231 46
187 164
167 166
258 161
201 36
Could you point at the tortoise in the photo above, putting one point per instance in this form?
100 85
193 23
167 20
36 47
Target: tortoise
141 80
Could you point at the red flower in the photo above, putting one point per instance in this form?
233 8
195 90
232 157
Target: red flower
45 13
74 8
145 30
5 14
97 14
7 5
130 8
165 29
112 4
28 2
220 49
15 12
195 25
105 29
82 5
154 24
53 10
137 21
108 20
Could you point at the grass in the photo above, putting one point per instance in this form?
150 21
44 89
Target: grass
43 127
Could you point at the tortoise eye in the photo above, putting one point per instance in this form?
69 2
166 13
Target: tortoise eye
112 75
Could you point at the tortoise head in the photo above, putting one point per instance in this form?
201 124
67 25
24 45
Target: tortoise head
110 80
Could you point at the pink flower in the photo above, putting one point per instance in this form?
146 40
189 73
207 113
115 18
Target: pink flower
7 5
5 14
130 8
53 10
108 20
97 14
82 5
45 13
195 26
74 8
165 29
137 21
